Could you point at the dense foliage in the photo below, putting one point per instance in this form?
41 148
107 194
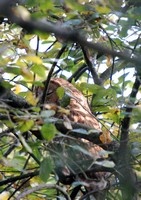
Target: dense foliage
95 45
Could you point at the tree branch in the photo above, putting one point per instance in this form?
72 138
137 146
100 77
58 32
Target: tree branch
64 33
16 178
50 74
125 171
28 191
78 73
91 68
11 99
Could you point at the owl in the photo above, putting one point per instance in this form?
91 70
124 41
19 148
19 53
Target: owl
77 104
74 158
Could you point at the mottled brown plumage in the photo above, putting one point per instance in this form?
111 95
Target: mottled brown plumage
78 106
74 156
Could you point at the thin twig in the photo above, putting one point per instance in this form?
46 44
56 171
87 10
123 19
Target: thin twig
16 178
91 68
78 73
50 74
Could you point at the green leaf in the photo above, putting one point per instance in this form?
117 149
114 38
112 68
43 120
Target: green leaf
48 131
45 169
60 92
45 5
126 25
106 163
35 148
17 163
47 113
82 150
65 101
6 85
40 70
74 5
136 114
103 98
103 9
63 97
25 125
14 70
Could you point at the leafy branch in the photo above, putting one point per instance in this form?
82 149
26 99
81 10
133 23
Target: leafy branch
32 25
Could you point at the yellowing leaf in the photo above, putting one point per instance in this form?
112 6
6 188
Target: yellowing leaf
33 59
26 125
17 89
108 61
25 72
4 196
20 63
63 111
103 9
60 92
1 176
113 114
31 98
40 70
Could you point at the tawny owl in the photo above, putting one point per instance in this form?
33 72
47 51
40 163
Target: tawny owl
78 105
74 156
